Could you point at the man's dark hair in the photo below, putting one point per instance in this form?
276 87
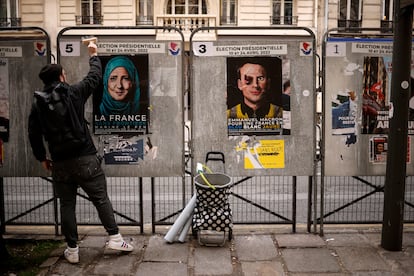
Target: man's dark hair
286 85
254 60
50 73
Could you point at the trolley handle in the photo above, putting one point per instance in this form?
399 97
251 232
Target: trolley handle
219 156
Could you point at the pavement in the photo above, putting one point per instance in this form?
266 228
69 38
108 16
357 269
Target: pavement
253 250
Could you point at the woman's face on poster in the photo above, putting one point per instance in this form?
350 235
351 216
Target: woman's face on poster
119 84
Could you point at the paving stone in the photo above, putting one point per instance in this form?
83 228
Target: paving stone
255 248
393 256
410 250
262 268
42 272
400 262
86 257
89 255
115 265
408 239
212 261
49 262
357 240
310 260
170 269
404 268
373 238
323 274
375 273
93 241
361 259
299 240
344 253
65 268
58 251
159 250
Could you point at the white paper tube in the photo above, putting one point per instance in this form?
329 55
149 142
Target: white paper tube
184 232
181 220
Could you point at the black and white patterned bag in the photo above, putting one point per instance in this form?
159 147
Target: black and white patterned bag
212 210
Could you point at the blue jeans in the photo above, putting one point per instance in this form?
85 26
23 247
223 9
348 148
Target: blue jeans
84 172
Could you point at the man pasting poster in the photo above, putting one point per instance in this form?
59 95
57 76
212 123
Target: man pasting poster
254 96
122 107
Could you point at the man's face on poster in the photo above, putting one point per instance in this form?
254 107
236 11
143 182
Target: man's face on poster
253 83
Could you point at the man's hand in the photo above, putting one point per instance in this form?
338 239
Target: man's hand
92 49
47 164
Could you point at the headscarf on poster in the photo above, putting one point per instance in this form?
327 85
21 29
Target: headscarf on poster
122 106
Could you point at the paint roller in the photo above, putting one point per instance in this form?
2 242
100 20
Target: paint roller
87 40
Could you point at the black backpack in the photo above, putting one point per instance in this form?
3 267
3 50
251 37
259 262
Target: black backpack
63 129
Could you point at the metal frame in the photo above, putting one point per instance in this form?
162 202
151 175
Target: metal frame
339 32
185 190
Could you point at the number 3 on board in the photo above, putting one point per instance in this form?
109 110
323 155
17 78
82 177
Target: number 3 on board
202 48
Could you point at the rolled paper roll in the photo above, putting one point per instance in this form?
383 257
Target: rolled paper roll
184 232
181 220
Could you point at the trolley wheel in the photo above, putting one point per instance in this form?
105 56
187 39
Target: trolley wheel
195 233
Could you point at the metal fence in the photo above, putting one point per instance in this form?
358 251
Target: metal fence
258 200
360 199
253 200
32 201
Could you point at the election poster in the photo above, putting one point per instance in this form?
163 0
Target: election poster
376 98
344 108
378 149
376 94
122 150
121 105
263 154
255 98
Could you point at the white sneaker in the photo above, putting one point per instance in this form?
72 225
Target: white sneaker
116 242
72 255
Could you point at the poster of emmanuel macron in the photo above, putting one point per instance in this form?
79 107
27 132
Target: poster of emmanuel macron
254 96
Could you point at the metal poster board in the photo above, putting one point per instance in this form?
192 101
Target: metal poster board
136 118
23 52
253 100
357 106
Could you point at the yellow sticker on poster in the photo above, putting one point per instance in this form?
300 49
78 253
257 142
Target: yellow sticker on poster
265 154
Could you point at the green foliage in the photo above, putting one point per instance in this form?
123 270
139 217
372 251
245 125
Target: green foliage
26 256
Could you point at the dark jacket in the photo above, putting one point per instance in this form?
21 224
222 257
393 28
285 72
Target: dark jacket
79 94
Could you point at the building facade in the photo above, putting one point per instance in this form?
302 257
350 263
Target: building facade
319 15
